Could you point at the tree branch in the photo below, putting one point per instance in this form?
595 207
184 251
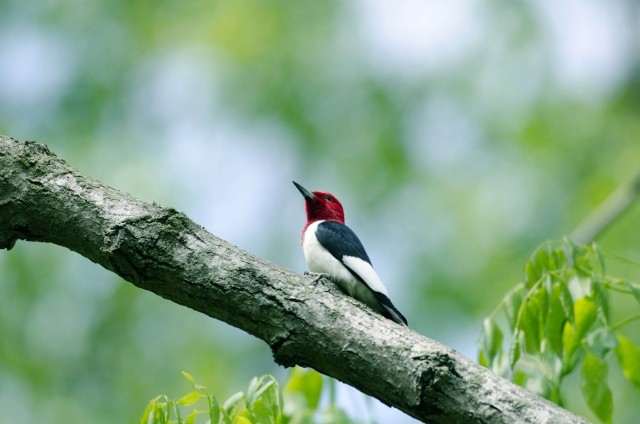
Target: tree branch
313 325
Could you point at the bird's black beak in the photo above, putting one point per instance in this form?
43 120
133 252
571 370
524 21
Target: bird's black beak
306 193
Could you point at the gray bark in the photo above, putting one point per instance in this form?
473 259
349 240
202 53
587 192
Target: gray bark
312 325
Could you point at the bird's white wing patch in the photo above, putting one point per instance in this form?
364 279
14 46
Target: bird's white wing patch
366 272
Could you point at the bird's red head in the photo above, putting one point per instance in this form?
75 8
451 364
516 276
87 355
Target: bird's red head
321 205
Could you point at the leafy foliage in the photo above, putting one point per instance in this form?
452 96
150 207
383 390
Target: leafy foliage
185 102
262 403
559 319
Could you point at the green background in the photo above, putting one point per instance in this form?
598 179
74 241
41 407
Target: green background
458 136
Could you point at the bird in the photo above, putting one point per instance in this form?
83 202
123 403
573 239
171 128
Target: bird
333 250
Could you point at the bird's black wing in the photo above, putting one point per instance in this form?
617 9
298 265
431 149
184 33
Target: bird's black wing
340 241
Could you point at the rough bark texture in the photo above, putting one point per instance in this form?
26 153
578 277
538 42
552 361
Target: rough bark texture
313 325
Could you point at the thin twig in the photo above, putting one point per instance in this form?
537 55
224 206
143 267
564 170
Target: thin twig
607 213
624 322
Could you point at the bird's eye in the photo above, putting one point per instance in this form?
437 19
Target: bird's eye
328 197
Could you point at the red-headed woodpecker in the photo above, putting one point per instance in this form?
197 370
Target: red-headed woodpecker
333 249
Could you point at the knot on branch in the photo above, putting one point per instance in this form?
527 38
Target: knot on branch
138 243
8 239
284 350
436 379
34 148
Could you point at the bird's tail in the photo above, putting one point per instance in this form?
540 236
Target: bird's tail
390 311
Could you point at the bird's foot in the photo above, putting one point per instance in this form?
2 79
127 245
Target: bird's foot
316 276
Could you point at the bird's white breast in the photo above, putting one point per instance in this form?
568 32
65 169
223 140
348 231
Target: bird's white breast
319 259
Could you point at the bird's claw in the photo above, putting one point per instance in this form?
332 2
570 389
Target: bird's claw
316 276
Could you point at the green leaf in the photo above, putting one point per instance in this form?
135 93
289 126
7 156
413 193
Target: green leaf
542 297
520 378
491 339
516 349
531 274
602 300
582 265
214 410
305 382
147 415
232 404
634 290
512 304
189 399
542 260
528 324
570 343
585 312
250 395
595 388
531 318
272 384
554 395
191 418
555 321
266 404
172 405
482 359
536 267
567 301
188 376
160 413
629 357
559 258
600 255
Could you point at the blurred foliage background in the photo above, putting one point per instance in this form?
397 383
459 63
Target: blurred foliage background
459 136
